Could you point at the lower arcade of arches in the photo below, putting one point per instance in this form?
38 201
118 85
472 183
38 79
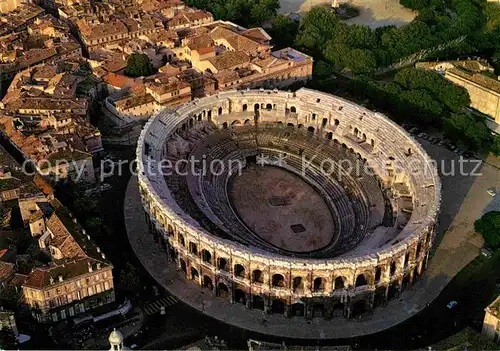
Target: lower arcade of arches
347 302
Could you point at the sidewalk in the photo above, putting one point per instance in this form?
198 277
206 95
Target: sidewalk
448 260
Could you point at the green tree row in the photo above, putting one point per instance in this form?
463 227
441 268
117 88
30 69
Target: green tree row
246 13
360 49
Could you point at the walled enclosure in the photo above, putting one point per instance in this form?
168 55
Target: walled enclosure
349 284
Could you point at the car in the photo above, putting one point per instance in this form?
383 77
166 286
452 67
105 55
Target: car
491 192
105 186
452 147
486 252
451 304
441 143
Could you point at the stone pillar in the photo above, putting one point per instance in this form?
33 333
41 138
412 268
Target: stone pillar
288 311
267 305
249 300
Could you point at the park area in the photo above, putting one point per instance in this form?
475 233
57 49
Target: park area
373 13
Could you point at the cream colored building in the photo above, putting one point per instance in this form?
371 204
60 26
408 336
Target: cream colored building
68 288
484 93
8 5
491 324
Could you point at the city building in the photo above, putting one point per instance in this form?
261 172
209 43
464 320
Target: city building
491 324
477 77
78 277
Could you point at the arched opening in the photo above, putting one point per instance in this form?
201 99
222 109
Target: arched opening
319 284
407 260
240 296
378 274
372 143
291 125
193 248
258 302
256 107
364 137
220 111
358 309
239 271
278 281
324 122
247 122
181 240
337 122
329 136
170 230
419 248
310 130
298 309
318 310
194 274
300 126
361 280
222 263
206 256
344 146
278 306
356 132
415 275
339 283
393 269
224 125
235 122
293 109
183 266
209 115
245 107
207 282
222 290
338 309
392 291
257 276
406 281
298 284
269 107
191 122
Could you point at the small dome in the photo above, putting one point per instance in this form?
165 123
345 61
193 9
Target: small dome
115 338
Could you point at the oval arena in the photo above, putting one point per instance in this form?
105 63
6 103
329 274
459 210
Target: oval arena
302 204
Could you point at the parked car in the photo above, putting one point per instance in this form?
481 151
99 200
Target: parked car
486 252
105 186
441 143
491 192
451 304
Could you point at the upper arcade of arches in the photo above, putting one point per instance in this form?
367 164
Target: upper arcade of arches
390 152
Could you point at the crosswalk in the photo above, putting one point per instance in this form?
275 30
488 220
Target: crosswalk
154 307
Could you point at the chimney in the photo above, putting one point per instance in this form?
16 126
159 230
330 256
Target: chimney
60 278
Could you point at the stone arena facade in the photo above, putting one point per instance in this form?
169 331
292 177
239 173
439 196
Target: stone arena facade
384 219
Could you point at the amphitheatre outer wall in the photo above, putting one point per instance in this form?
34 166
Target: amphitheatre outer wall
357 280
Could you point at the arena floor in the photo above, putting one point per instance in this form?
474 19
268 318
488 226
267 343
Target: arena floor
281 208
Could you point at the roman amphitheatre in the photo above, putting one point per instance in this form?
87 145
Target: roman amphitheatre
312 207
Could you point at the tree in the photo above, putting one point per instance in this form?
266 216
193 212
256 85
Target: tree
138 65
283 32
452 96
317 27
129 279
489 227
468 129
495 147
8 339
